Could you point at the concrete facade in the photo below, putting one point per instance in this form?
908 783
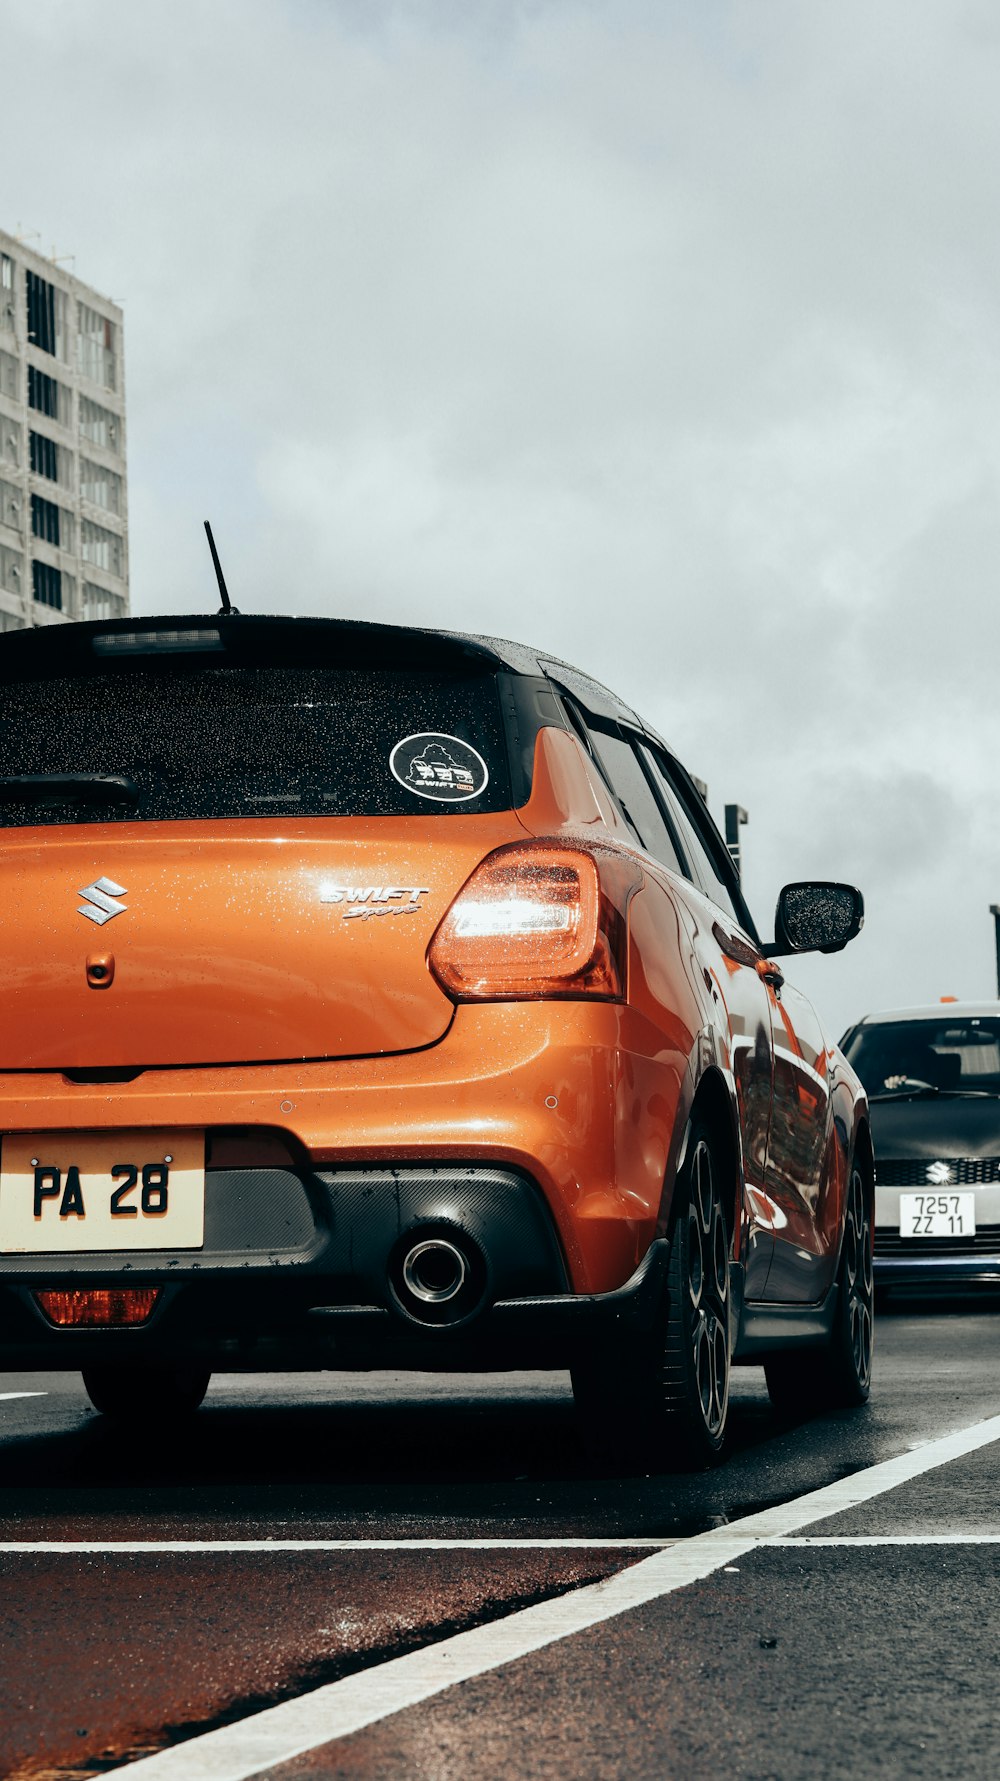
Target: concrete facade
63 491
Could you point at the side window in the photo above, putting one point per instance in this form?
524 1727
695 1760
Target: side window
634 794
706 867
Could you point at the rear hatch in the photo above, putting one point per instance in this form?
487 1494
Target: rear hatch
232 844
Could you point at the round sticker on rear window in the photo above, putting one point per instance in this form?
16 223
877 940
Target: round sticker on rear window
440 767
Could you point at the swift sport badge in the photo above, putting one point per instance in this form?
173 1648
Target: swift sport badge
364 901
102 906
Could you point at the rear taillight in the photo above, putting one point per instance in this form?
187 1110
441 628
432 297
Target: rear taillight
102 1308
538 918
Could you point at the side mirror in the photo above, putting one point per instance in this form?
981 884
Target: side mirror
817 917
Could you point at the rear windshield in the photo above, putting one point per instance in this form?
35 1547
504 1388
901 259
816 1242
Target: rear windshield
234 741
955 1055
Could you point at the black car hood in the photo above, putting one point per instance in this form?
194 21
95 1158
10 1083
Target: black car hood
936 1127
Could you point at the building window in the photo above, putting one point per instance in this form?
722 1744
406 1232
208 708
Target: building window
45 520
103 487
97 346
11 569
100 425
100 602
48 395
44 456
46 585
100 547
43 392
41 312
10 380
10 441
10 505
46 315
6 294
62 327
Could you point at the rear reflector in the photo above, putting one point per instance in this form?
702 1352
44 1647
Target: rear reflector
85 1309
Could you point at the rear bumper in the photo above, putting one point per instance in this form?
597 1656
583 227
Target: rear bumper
223 1319
581 1098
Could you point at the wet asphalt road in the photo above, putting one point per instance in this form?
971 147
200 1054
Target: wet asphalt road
795 1662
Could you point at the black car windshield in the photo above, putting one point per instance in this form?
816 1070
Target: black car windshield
176 741
948 1055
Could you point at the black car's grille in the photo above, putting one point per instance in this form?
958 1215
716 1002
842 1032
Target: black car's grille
985 1242
966 1171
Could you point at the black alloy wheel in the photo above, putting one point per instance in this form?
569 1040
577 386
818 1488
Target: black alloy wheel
698 1360
839 1375
858 1294
146 1396
660 1400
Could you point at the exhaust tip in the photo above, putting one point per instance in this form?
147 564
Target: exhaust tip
438 1278
434 1271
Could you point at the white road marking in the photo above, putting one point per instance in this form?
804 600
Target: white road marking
5 1396
279 1734
140 1546
890 1540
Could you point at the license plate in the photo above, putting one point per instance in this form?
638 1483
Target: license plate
68 1191
937 1215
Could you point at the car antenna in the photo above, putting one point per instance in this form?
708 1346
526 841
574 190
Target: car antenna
227 609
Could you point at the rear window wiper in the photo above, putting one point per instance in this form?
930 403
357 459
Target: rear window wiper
67 788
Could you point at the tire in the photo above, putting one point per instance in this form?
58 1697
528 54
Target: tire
660 1401
837 1377
146 1395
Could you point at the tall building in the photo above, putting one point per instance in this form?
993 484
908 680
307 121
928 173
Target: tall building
63 513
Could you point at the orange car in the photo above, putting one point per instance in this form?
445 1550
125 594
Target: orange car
386 997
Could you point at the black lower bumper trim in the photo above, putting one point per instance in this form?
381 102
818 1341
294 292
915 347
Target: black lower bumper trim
939 1273
512 1334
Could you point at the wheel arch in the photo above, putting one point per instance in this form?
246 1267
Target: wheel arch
713 1101
863 1152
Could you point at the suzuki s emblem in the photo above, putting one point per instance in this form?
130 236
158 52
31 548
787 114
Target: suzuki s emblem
938 1174
102 906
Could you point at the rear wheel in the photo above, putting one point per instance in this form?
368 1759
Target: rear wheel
661 1400
148 1395
839 1375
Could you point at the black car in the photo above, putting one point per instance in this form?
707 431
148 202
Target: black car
933 1081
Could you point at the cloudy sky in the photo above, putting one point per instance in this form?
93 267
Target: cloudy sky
663 333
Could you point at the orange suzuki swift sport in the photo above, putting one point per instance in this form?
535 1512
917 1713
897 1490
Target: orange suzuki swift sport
381 997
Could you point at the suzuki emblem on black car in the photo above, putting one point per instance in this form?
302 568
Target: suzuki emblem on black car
102 906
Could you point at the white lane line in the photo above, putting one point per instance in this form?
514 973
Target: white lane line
5 1396
279 1734
889 1540
141 1546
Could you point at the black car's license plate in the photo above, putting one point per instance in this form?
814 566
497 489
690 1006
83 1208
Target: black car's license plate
937 1215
